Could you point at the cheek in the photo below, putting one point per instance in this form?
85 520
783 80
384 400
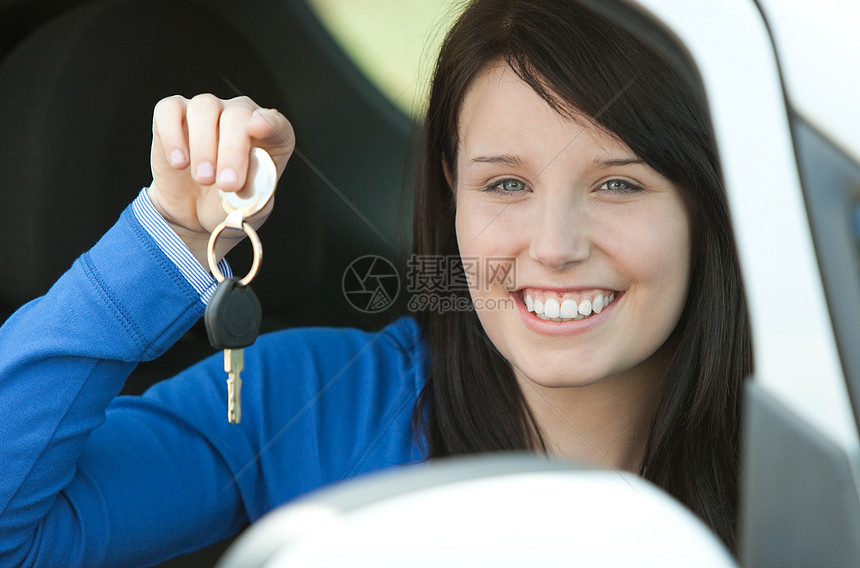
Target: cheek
485 237
465 226
660 262
675 247
651 252
654 259
483 228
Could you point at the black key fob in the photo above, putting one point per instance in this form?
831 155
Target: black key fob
233 316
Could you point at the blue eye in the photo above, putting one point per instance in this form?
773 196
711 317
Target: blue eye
507 186
512 185
620 186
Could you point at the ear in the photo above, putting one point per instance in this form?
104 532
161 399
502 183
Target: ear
449 177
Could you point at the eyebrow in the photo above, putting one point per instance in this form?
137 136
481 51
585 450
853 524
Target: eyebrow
511 160
506 159
598 163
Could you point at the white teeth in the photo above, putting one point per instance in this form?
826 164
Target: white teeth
585 307
568 309
551 308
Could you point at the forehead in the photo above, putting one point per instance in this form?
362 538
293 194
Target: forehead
500 111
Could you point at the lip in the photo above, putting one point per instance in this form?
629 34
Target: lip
582 290
559 328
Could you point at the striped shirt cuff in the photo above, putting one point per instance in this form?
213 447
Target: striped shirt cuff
170 243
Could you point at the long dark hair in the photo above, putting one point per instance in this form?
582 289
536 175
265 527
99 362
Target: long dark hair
579 61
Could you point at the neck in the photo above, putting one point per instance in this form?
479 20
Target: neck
605 424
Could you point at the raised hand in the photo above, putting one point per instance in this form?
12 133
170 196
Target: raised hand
203 144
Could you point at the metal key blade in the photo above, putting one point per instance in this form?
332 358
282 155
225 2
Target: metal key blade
234 364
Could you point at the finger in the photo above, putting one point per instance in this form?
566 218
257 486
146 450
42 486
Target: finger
274 133
202 115
168 130
234 144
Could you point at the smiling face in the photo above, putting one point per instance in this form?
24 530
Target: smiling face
600 241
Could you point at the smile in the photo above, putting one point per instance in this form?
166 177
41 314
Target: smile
566 309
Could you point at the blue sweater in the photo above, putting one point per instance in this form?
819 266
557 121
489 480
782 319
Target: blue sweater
92 479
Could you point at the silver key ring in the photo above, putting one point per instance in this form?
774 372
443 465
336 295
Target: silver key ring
262 179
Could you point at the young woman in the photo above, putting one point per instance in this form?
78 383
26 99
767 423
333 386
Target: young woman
630 115
556 145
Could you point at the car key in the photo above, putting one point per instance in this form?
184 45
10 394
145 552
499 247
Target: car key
233 314
232 320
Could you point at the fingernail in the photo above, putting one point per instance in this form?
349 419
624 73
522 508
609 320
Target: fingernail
205 170
177 158
228 175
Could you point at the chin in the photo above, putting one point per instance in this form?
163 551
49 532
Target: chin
555 370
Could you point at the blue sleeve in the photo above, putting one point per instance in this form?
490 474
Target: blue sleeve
94 480
319 406
64 357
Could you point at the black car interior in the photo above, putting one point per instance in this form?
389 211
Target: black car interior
78 82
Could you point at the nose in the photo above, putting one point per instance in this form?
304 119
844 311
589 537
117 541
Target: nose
560 234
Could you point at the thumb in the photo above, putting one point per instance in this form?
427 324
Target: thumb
272 130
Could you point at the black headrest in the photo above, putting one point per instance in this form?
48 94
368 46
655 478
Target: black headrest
77 98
